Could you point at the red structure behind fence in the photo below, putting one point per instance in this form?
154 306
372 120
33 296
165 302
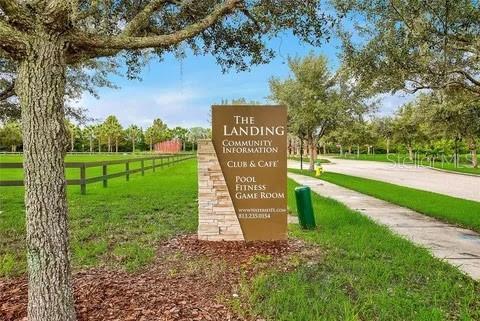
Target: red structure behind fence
169 146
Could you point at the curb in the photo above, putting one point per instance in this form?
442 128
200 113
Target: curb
453 172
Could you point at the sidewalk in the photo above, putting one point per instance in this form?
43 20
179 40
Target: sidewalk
460 247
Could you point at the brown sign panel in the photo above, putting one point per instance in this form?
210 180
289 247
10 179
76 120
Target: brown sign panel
251 146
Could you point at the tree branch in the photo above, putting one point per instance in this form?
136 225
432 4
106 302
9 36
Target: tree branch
402 17
12 41
90 12
141 19
90 43
8 92
468 76
16 14
459 84
57 14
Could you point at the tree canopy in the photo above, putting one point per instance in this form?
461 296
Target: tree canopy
413 45
317 99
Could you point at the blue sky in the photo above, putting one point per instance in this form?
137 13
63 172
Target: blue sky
181 92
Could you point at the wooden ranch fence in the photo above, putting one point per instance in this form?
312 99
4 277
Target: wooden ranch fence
157 161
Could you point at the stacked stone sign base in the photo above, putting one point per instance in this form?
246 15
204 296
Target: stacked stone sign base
217 218
243 175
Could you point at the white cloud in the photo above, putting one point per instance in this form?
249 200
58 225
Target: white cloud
175 97
177 107
389 103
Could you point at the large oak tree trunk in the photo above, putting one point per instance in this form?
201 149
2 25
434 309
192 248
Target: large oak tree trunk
41 88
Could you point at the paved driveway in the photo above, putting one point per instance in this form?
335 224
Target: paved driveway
423 178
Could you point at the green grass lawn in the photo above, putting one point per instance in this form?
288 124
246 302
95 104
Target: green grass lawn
306 159
115 226
367 273
450 209
464 166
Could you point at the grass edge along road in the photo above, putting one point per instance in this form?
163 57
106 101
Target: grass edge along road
450 209
367 273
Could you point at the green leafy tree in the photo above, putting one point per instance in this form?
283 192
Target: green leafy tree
372 137
359 137
133 133
73 133
101 135
89 133
317 102
306 95
408 128
456 114
340 137
180 133
196 133
384 128
11 135
79 79
347 134
287 93
413 45
112 131
149 137
158 132
351 133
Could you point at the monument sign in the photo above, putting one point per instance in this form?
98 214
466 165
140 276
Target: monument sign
250 147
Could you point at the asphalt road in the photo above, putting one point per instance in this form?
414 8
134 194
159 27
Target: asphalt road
457 185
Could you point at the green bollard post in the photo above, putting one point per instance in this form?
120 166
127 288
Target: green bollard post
306 217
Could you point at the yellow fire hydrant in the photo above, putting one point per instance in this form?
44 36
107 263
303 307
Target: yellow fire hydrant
318 170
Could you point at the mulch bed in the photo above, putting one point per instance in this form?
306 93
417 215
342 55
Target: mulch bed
190 280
